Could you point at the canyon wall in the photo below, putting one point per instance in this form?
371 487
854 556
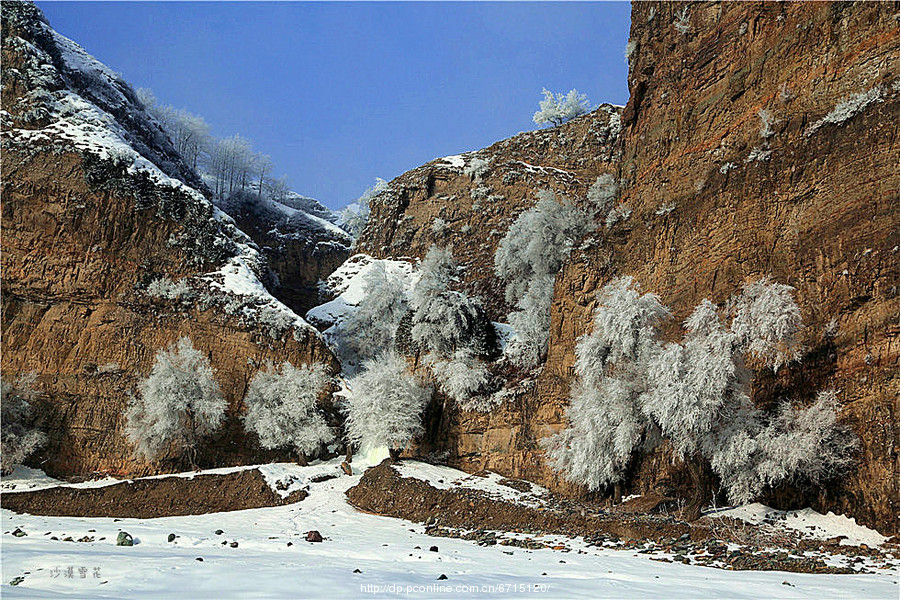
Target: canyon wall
760 139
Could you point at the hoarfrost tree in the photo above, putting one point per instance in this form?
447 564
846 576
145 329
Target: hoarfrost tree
177 405
355 216
443 320
558 109
527 259
370 329
696 394
20 439
767 322
606 423
188 132
282 408
385 404
462 377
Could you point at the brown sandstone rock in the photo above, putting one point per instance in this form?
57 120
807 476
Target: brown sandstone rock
718 200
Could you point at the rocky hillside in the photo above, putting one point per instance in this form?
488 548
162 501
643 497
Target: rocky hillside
110 253
759 139
468 201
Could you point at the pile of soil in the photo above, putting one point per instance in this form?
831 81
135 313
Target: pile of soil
149 498
384 491
474 515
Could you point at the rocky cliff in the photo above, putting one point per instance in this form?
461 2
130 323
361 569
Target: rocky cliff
759 139
110 253
299 240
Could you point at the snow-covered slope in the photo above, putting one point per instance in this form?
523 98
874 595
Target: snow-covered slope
71 102
362 556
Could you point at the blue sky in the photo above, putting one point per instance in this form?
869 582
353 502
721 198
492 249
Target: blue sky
340 93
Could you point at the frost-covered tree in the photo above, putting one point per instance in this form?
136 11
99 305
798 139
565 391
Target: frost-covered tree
462 377
188 132
538 243
20 439
443 320
696 394
354 217
385 404
370 329
177 405
558 109
606 423
531 322
768 322
527 259
282 408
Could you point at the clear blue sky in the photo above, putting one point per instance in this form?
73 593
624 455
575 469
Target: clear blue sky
341 93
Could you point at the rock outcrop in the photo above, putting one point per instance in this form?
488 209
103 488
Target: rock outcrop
759 139
110 253
299 240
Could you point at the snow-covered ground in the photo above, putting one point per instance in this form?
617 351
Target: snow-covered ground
362 556
807 522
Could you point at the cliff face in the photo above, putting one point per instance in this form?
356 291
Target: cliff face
743 124
760 139
97 206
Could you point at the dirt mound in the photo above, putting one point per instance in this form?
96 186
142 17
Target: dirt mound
158 497
474 515
384 491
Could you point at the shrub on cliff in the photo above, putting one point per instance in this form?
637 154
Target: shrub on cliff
385 404
527 259
177 404
19 437
282 408
443 320
631 388
370 328
558 109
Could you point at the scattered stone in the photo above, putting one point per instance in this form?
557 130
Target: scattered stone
69 539
788 583
233 544
322 477
433 549
357 571
442 577
171 537
313 536
19 533
124 539
86 539
290 543
17 581
219 532
199 559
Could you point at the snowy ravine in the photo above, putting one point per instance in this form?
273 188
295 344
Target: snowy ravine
392 555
